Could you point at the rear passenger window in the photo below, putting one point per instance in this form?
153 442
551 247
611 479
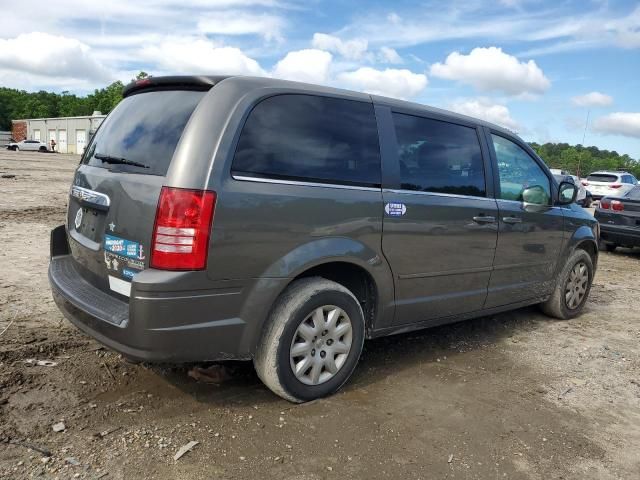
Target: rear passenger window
310 138
438 156
519 171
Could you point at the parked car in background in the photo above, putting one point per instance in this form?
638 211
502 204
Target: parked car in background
285 223
609 183
619 219
28 145
584 197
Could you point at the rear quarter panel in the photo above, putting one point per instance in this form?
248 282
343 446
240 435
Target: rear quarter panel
266 230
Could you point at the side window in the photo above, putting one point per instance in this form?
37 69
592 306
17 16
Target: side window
519 171
310 138
438 156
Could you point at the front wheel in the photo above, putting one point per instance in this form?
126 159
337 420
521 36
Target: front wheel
312 341
572 287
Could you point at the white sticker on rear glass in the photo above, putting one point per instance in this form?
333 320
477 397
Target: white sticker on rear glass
120 286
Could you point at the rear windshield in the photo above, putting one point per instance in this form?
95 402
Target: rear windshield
602 177
144 129
634 193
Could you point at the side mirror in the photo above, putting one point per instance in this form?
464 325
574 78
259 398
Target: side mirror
535 195
567 193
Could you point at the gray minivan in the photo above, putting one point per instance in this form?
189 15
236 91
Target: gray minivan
216 218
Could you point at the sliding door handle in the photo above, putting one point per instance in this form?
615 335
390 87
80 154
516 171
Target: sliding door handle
484 219
511 219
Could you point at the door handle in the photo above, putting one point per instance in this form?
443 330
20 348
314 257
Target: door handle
511 219
484 219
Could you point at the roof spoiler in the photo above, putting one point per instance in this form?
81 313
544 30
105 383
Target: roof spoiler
174 82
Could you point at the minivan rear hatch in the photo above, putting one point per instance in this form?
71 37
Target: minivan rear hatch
114 196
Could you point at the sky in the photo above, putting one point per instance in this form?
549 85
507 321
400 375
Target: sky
536 67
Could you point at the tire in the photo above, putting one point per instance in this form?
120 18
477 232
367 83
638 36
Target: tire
558 306
42 149
296 306
586 203
610 247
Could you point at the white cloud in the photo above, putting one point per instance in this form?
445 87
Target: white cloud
198 55
485 109
351 49
399 83
48 55
232 22
389 55
626 124
563 26
394 18
309 65
592 99
490 69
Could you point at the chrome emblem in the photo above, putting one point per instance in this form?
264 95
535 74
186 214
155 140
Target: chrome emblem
97 199
78 220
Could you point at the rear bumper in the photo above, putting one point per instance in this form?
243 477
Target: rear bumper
628 237
158 324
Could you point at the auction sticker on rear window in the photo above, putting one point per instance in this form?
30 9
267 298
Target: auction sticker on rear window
124 247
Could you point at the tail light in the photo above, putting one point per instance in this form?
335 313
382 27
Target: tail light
617 205
615 185
181 232
605 204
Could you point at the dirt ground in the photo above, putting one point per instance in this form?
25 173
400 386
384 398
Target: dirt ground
515 395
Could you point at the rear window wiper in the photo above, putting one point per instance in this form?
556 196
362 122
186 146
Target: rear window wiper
119 160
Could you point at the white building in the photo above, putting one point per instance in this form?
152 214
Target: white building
71 134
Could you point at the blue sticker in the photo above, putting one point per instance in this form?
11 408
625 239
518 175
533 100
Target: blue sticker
395 209
128 273
121 246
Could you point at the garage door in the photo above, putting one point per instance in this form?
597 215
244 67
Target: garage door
81 141
62 141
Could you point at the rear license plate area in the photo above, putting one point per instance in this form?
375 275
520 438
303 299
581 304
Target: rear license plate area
92 224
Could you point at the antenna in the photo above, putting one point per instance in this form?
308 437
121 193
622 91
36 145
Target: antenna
586 124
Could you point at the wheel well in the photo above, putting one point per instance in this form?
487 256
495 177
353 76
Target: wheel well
591 249
354 278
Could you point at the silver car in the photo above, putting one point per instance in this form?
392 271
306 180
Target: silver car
28 145
607 183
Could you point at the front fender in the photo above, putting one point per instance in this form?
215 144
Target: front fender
582 236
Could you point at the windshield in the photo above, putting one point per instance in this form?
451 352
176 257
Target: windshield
143 131
634 193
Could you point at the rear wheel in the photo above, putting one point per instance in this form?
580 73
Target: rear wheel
312 342
42 149
572 287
